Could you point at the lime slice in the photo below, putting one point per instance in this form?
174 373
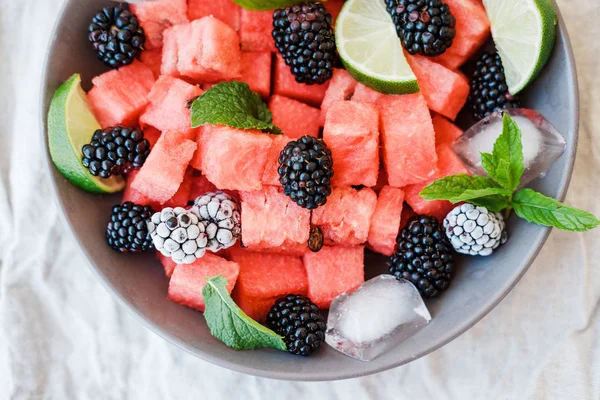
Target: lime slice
266 4
71 125
524 33
370 49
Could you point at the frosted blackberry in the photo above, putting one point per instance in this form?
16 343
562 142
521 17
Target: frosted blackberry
115 151
116 35
220 215
475 230
424 256
489 91
127 230
305 171
178 233
300 322
425 27
304 37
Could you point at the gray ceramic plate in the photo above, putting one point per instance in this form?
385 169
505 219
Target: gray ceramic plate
140 285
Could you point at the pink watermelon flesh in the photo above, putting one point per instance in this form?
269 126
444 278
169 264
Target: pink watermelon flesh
449 164
333 271
346 217
167 263
352 134
200 186
366 94
271 175
205 50
234 159
136 197
256 30
445 131
180 199
167 110
196 162
224 10
472 31
445 91
270 219
188 280
256 71
164 169
295 119
285 84
151 134
119 96
408 139
385 223
256 308
288 247
153 60
158 15
341 87
267 276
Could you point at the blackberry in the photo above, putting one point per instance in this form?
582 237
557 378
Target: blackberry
489 91
115 151
424 27
304 37
424 256
127 230
305 171
300 322
116 35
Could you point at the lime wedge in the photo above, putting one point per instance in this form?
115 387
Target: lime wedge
524 33
266 4
370 49
71 125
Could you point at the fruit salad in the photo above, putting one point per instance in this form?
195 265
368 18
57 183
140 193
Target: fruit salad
263 146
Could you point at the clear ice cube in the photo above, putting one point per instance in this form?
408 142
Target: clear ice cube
379 315
542 143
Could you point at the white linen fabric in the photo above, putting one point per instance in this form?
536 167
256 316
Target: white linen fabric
62 336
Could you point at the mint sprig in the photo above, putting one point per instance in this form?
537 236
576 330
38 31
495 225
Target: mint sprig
229 324
235 105
505 167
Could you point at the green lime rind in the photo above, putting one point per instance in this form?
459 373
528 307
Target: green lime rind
549 22
70 125
263 5
370 49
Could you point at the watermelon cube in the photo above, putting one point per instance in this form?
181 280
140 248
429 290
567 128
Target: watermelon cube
255 30
188 280
346 217
445 91
285 84
449 164
132 195
472 31
271 175
366 95
445 131
167 263
167 110
153 60
164 169
264 278
352 134
119 96
408 139
288 247
386 220
205 50
182 196
341 87
295 118
256 71
234 159
200 186
333 271
224 10
158 15
270 219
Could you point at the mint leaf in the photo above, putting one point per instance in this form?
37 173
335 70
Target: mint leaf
505 165
229 324
478 190
539 209
235 105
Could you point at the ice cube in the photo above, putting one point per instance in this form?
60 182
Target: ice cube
542 143
379 315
